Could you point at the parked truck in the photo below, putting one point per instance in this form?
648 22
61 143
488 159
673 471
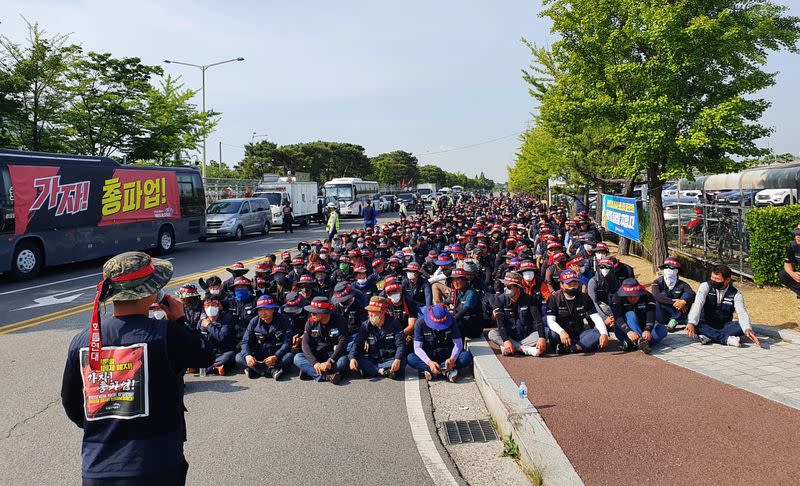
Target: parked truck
427 191
301 195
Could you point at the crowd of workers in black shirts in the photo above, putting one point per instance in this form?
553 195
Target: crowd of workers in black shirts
411 292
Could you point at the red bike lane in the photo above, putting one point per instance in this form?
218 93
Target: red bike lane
628 418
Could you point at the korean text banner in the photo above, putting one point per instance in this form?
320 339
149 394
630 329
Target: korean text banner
65 197
621 216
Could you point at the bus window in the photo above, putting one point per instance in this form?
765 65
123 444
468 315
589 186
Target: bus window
6 202
190 205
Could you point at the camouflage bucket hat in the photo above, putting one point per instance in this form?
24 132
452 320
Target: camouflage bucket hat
134 275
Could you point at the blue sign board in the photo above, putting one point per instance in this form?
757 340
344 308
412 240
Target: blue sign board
621 216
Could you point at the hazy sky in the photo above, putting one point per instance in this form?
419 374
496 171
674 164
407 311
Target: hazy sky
423 76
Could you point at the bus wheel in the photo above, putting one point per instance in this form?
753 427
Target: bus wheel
28 259
166 240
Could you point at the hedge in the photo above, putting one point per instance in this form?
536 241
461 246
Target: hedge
770 230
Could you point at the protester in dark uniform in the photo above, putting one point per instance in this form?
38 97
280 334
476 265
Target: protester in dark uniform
267 342
236 270
572 318
519 321
379 348
416 286
465 304
790 274
294 310
673 296
243 305
350 308
711 316
635 323
324 344
192 306
401 306
602 288
365 282
280 285
438 346
139 440
218 325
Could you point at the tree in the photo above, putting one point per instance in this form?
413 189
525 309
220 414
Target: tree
106 107
260 158
218 170
665 87
33 86
170 124
395 167
432 174
540 158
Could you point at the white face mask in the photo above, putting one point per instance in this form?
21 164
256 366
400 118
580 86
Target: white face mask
587 247
214 291
508 292
411 275
395 298
599 256
604 271
212 311
361 281
670 273
528 276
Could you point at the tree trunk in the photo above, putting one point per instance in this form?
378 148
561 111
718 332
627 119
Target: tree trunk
625 243
658 251
598 211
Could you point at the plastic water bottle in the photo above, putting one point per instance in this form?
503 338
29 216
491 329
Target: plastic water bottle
523 390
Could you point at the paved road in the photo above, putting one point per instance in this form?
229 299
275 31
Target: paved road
240 431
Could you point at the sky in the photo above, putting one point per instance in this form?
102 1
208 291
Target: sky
441 79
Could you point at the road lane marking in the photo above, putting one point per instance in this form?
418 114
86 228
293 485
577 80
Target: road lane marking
433 461
176 282
48 284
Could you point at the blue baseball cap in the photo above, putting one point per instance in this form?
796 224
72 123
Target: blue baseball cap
266 302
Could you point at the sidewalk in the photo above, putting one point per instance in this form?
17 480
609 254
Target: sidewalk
629 418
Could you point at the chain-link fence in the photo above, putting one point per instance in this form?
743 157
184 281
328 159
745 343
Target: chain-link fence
217 189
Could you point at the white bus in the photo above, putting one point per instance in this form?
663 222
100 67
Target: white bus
457 190
352 193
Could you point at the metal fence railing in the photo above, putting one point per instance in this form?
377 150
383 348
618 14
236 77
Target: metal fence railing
711 233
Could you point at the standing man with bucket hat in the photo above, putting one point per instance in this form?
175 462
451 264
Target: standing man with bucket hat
123 379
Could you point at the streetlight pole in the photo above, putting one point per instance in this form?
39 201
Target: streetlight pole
202 68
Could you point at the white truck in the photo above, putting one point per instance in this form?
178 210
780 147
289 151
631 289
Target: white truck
301 195
427 191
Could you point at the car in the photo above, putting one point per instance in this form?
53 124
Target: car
236 217
384 204
392 202
682 208
776 197
406 197
735 198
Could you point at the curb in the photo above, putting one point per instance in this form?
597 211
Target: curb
538 448
784 334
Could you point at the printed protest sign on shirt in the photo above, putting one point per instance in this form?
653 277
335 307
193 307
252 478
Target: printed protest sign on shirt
119 388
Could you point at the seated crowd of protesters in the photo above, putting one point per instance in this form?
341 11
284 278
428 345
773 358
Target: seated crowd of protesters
371 301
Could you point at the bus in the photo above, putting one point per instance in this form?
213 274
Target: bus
457 190
57 209
352 194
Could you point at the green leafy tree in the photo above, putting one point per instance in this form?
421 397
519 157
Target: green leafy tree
106 107
432 174
170 123
32 84
395 167
665 87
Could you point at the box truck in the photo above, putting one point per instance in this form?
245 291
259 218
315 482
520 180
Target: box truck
301 195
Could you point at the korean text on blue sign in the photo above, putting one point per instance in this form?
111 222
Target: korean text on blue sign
621 216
